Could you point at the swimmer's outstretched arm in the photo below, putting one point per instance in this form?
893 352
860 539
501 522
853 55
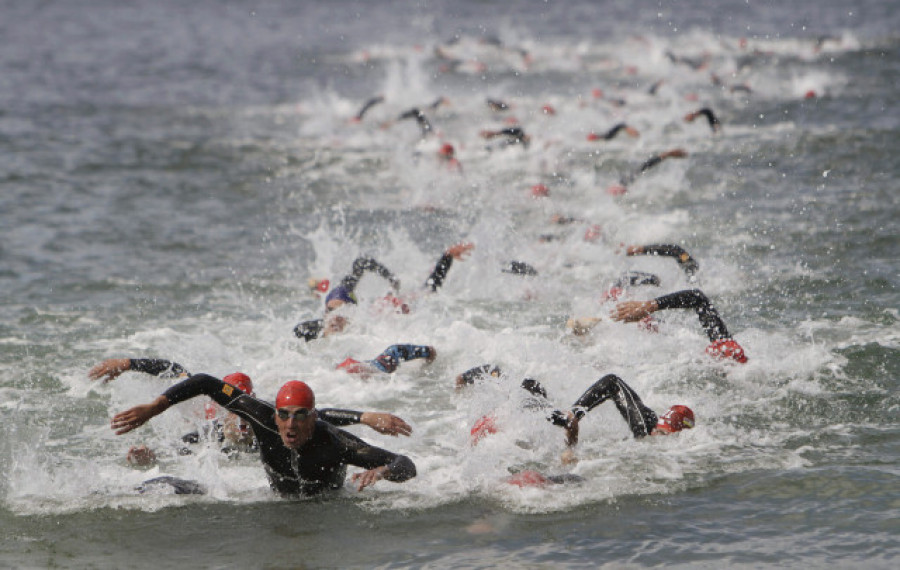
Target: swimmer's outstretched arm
137 416
457 252
363 264
631 311
381 422
111 368
687 263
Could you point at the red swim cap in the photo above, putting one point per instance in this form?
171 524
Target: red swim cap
593 233
484 426
616 190
240 380
727 348
539 191
593 137
676 419
447 150
295 393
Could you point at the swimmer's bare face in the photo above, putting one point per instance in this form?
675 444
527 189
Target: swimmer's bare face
295 427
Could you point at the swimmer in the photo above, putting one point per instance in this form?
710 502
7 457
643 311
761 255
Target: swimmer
302 455
366 107
511 136
235 434
615 130
687 263
640 419
420 118
722 346
389 360
711 118
654 160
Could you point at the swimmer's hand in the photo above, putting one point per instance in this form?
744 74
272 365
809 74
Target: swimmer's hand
388 424
137 416
460 250
370 477
109 369
632 311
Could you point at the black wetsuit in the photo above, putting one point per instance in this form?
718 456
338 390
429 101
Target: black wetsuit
687 263
368 105
695 299
639 417
647 165
360 266
420 118
320 464
611 133
711 118
169 369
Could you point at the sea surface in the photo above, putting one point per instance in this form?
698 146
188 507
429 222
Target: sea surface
173 173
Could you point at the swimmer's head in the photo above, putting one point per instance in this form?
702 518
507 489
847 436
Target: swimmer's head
519 268
295 393
483 427
318 285
447 151
727 348
309 330
240 380
338 297
676 419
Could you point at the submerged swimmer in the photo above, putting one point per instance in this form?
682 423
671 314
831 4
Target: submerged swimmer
389 360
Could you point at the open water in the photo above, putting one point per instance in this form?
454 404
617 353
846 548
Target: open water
172 174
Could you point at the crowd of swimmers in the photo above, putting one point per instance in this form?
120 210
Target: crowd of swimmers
304 448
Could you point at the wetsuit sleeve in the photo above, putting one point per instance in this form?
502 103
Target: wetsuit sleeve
363 264
611 133
258 412
684 259
695 299
358 452
338 417
653 161
640 418
158 367
436 279
390 359
479 372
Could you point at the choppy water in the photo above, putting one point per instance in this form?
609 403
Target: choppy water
171 175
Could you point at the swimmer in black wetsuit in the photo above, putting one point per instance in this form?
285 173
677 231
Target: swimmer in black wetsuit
511 135
687 263
343 294
302 455
711 118
420 118
722 344
366 107
641 420
650 163
234 433
611 133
